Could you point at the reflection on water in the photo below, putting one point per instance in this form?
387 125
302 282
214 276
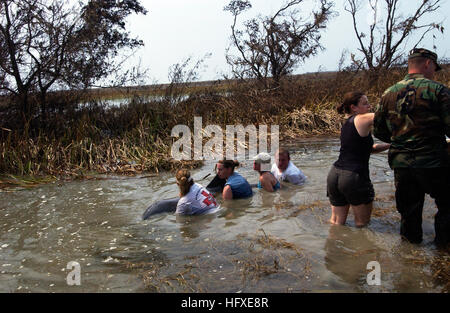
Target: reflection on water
348 251
272 242
192 226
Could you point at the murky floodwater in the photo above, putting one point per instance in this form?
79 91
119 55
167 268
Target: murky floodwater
277 242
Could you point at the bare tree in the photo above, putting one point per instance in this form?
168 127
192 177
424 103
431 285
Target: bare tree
273 46
181 76
383 45
53 44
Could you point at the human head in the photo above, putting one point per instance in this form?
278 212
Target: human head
184 181
262 162
423 61
282 158
225 168
355 102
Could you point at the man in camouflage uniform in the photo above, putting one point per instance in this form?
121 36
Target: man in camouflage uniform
414 116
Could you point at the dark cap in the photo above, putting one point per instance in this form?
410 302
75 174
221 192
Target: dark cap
424 53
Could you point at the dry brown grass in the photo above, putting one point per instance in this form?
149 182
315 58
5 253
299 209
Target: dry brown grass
441 272
383 211
136 138
309 206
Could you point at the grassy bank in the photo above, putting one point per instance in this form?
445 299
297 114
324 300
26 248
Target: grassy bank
67 140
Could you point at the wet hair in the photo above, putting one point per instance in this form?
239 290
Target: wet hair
284 151
229 163
184 181
350 98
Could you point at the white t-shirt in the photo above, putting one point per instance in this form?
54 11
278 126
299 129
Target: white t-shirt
292 174
197 201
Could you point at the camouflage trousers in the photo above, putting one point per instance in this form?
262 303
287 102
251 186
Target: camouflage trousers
411 185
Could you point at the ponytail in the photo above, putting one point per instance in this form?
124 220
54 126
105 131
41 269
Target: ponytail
184 181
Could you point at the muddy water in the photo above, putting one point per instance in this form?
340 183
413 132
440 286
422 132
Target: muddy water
277 242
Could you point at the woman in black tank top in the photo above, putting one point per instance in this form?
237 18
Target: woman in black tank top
348 182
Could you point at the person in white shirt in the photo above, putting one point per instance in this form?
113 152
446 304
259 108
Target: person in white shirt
195 199
284 170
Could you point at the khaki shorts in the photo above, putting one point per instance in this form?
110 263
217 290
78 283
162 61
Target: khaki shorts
346 187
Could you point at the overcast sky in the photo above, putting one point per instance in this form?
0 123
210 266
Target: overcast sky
173 30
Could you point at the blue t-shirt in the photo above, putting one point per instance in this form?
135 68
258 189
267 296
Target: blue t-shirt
239 186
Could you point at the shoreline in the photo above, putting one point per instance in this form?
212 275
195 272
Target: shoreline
62 140
12 182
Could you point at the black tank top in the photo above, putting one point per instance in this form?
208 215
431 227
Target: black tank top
355 150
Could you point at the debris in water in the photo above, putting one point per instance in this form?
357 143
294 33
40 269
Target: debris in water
109 259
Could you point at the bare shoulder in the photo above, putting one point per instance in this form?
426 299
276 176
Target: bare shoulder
364 118
363 123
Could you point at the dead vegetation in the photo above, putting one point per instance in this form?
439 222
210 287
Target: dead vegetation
243 262
133 138
441 272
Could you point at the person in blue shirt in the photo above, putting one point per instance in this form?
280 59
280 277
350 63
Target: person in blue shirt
236 186
267 180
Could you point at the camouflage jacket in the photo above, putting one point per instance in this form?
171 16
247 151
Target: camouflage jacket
414 116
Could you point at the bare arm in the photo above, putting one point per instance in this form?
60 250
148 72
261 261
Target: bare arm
363 123
266 184
380 147
227 193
